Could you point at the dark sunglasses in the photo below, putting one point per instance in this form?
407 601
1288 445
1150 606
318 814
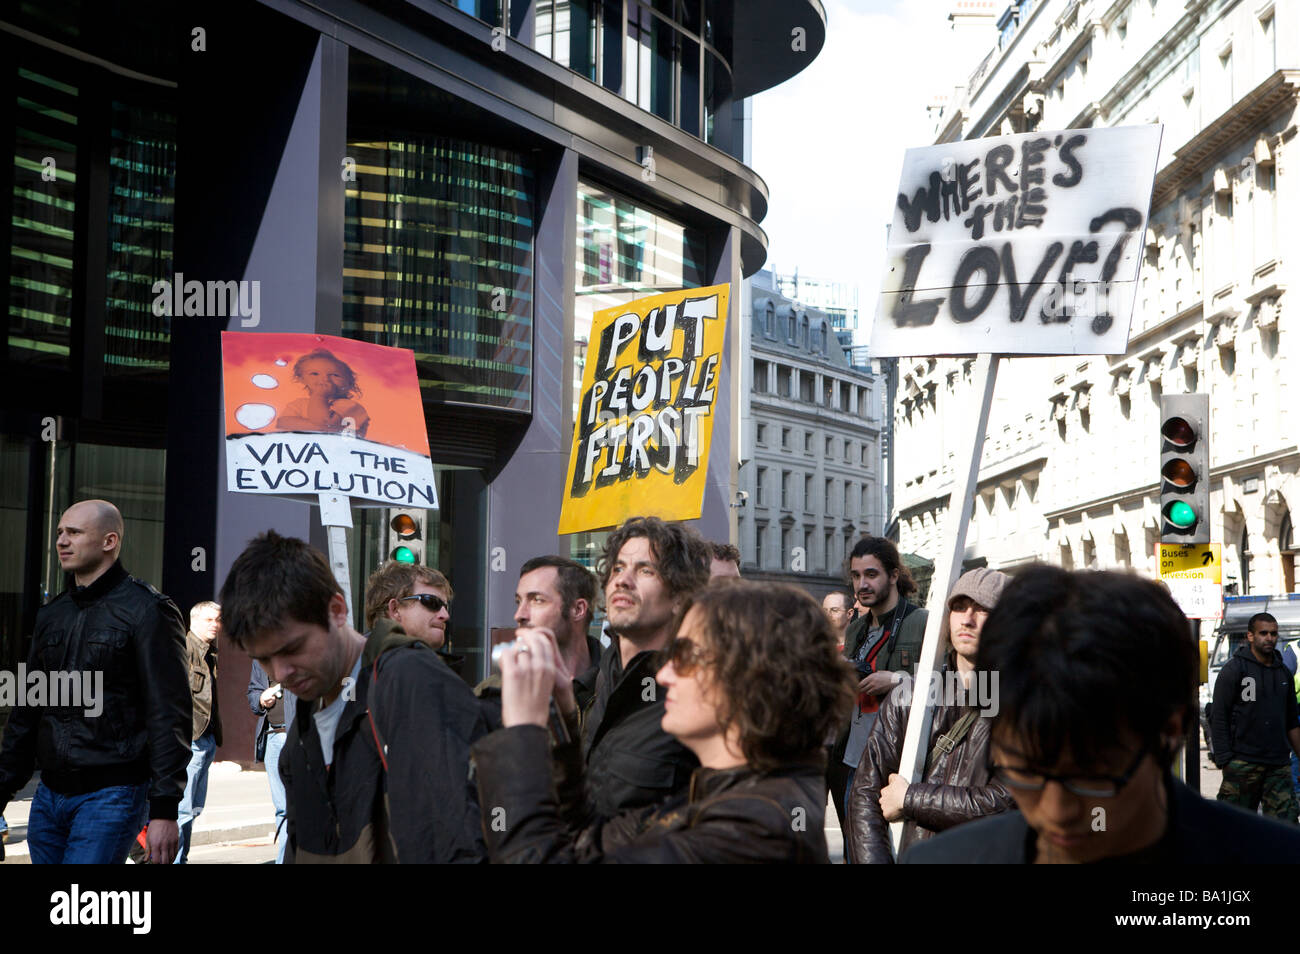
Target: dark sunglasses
433 604
686 657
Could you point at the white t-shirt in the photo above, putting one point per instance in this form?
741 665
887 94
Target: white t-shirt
327 719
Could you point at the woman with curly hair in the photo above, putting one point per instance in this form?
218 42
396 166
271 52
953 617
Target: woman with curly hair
754 687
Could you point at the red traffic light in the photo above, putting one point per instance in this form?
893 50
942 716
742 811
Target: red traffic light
404 526
1179 432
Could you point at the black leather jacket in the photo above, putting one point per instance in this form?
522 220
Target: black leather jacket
134 635
631 761
957 786
726 816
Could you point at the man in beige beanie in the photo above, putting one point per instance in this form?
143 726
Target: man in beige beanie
957 786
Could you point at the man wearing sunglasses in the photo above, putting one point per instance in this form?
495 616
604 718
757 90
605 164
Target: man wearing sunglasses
1097 692
416 598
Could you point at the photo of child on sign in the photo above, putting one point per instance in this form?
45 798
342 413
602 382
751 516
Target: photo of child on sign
328 406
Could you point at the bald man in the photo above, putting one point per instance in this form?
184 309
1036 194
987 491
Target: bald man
113 740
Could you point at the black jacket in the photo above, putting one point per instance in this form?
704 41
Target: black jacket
1252 729
135 636
631 761
957 787
422 808
727 816
1200 831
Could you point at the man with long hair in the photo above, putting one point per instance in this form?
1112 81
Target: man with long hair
883 644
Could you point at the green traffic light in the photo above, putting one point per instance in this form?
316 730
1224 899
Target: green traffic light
407 555
1181 515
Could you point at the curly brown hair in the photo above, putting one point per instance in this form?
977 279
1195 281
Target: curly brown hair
772 654
682 554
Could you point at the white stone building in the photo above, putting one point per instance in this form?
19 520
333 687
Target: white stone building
1070 469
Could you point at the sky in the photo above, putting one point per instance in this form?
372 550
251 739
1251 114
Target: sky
829 142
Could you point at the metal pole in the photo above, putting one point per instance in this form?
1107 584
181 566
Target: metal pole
1192 748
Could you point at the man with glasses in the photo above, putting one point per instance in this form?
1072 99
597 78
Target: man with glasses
1253 724
1097 691
416 598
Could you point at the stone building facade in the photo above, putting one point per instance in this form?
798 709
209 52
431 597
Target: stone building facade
1069 473
813 483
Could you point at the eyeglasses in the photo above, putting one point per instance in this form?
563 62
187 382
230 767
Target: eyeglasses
686 657
434 604
1086 786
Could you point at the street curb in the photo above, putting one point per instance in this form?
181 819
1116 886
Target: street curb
16 853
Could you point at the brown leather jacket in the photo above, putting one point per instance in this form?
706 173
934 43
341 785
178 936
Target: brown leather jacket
532 814
957 786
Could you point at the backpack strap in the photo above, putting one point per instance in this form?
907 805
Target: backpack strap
949 740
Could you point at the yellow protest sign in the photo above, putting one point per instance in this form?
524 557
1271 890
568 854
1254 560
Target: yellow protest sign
642 433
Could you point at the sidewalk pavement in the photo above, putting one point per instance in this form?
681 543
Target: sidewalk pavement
238 807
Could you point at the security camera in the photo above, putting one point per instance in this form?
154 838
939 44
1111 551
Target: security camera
741 497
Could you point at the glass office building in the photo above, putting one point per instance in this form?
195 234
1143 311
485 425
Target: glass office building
463 179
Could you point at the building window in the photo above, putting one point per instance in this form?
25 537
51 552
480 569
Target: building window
785 548
830 447
760 536
404 289
807 442
785 438
626 251
808 492
848 500
760 433
828 554
789 328
846 395
785 490
830 495
758 485
803 334
769 320
783 376
760 377
805 386
848 452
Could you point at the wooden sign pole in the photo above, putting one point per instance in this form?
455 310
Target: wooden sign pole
947 568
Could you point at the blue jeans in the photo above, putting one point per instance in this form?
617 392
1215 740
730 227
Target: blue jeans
274 744
196 792
92 829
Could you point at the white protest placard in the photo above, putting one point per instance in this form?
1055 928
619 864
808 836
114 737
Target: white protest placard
1024 244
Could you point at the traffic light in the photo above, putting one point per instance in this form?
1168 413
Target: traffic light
1184 468
406 535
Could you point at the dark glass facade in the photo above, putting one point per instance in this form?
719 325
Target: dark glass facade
438 259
